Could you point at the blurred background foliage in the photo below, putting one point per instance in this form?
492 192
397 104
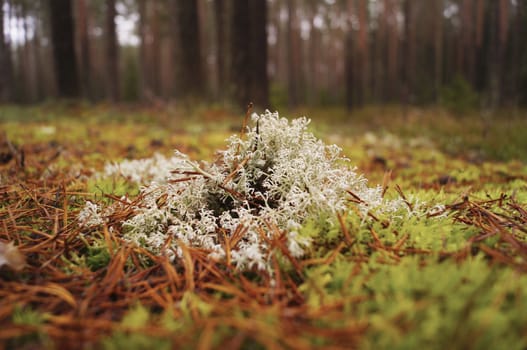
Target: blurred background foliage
463 54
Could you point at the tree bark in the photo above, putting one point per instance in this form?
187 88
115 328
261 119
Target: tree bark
154 9
112 52
219 11
240 59
495 56
258 53
84 49
522 54
292 81
363 54
349 59
6 77
190 66
144 83
409 52
62 29
438 48
248 51
392 50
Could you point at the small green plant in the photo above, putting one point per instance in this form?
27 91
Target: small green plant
459 97
27 317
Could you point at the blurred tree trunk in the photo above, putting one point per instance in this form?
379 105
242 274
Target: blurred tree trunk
154 9
438 48
480 80
292 84
495 54
363 54
219 12
206 37
62 30
466 51
190 66
6 77
143 47
281 54
27 69
379 60
350 58
503 42
258 53
150 49
392 38
522 54
408 76
240 58
518 90
45 54
84 49
248 72
112 53
40 61
312 54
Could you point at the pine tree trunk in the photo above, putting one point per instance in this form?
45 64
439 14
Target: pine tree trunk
258 53
145 88
221 52
240 58
349 59
84 49
190 66
62 29
392 50
438 48
6 77
363 57
154 10
292 85
112 52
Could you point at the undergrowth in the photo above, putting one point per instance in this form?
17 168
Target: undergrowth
453 276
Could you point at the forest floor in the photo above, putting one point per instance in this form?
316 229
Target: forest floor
455 278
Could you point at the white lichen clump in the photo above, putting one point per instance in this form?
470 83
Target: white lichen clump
90 215
269 181
142 171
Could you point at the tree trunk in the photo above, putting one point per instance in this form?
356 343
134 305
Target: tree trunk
349 59
219 11
154 9
363 64
258 53
62 29
392 49
438 48
495 55
409 53
240 58
190 67
292 84
6 77
112 52
248 49
522 54
144 83
379 75
27 67
84 49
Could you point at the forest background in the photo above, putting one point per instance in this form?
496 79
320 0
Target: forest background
463 54
426 97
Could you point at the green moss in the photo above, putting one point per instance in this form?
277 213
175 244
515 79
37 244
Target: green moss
34 320
436 290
